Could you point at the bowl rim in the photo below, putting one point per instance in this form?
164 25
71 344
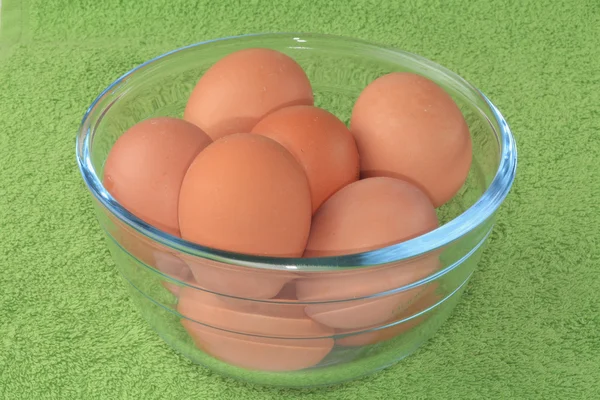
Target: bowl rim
453 230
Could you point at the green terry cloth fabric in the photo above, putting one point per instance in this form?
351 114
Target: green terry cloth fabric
528 325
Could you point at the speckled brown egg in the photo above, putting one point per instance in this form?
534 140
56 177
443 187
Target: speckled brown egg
406 126
241 88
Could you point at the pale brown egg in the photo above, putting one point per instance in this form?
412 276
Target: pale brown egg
241 88
406 126
365 215
236 334
427 299
246 193
146 166
321 143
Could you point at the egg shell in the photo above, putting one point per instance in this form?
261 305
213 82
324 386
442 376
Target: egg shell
257 353
287 292
146 165
370 214
241 88
225 331
428 298
239 281
320 142
174 267
286 296
366 215
152 254
406 126
352 286
246 193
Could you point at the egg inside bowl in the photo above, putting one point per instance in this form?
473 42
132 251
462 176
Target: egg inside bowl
294 321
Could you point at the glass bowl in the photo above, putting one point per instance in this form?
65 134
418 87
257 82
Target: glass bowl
306 321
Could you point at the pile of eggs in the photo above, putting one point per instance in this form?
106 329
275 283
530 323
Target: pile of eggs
255 168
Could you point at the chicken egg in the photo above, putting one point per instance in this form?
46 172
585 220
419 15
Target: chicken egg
146 165
366 215
370 214
408 127
268 337
143 250
321 143
235 280
241 88
427 299
246 193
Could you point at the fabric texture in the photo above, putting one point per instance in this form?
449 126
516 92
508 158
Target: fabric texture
528 324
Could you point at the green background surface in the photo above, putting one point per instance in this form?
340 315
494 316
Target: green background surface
528 325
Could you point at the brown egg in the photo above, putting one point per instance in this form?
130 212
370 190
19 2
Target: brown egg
296 342
350 285
174 267
366 215
246 193
151 253
288 305
427 299
370 214
408 127
146 166
287 292
239 281
320 142
241 88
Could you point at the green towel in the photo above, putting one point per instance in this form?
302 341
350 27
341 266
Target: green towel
528 324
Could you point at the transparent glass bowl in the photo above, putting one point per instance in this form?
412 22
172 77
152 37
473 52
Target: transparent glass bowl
296 322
